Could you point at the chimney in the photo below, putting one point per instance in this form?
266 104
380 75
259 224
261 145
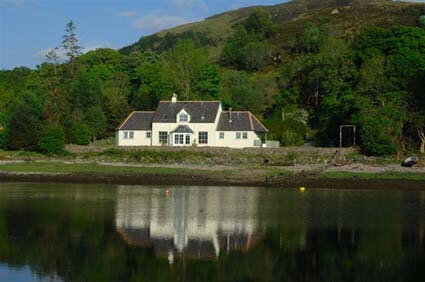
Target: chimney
174 98
230 114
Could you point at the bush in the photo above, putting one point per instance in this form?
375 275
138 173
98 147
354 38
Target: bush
52 139
376 140
79 134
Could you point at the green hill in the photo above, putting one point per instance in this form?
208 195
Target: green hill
347 16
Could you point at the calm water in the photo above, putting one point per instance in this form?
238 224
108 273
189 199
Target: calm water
128 233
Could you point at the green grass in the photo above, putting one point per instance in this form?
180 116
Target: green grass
374 176
57 167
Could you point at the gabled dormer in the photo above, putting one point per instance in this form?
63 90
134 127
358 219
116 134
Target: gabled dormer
183 116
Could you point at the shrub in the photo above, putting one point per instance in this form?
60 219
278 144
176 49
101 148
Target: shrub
376 140
79 134
293 133
52 139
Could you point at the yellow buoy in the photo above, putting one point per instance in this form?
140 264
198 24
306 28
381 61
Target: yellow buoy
302 189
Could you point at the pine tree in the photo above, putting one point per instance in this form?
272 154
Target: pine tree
70 44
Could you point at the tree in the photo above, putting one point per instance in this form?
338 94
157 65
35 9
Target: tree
156 83
70 44
311 39
96 121
207 84
24 129
240 92
256 55
260 22
79 134
115 94
53 57
186 60
52 139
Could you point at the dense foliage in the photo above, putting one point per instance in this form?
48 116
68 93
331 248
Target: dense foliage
302 88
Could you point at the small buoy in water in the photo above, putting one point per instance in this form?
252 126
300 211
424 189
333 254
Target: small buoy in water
302 189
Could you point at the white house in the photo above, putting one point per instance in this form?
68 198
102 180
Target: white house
188 123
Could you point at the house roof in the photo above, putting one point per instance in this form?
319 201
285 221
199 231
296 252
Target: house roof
241 121
182 129
138 121
200 111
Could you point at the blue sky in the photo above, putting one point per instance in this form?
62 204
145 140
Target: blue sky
28 27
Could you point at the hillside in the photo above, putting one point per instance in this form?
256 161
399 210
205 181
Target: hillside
347 16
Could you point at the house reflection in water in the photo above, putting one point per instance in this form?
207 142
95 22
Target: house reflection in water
197 222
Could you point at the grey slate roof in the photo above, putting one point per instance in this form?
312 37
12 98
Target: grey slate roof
241 121
182 129
200 111
138 121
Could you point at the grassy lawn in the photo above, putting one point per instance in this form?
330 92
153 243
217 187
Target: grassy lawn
374 176
57 167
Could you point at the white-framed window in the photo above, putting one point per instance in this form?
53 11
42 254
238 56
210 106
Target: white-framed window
244 135
238 135
125 135
221 135
179 139
183 118
131 135
148 135
203 137
163 137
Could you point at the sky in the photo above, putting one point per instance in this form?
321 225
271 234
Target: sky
28 28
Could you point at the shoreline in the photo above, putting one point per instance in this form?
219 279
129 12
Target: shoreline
205 180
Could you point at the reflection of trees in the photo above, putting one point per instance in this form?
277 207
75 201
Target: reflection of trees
305 238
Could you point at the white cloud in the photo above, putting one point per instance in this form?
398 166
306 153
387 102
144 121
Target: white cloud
189 4
157 21
90 46
128 14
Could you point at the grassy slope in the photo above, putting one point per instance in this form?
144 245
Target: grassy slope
290 17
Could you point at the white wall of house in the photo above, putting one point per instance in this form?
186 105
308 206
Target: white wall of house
196 127
246 140
133 138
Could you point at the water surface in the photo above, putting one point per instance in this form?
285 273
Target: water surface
54 232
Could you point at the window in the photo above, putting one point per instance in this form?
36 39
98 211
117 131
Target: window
245 135
187 139
178 139
221 135
163 137
203 137
131 135
148 135
183 118
238 135
125 135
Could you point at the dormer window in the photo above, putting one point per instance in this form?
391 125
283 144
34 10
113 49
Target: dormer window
183 118
202 117
165 117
